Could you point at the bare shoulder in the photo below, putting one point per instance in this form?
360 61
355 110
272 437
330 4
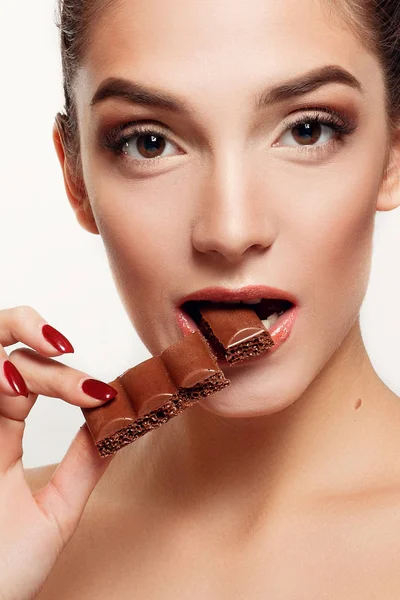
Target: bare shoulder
38 477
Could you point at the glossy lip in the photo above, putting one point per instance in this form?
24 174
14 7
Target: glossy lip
250 292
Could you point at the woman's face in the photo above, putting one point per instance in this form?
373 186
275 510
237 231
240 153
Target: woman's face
235 193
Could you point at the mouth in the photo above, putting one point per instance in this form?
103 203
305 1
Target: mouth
271 305
268 310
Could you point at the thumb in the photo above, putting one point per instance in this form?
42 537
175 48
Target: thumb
65 496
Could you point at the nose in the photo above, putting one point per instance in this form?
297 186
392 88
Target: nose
232 218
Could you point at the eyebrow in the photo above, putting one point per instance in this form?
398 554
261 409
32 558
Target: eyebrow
115 87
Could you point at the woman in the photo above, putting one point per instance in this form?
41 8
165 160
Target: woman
235 146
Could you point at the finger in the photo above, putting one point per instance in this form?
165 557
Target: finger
12 382
49 377
13 412
24 324
65 496
11 450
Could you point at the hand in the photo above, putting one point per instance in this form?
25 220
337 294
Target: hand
35 527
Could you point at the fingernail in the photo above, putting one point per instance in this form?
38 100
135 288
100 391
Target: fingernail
57 339
15 379
98 389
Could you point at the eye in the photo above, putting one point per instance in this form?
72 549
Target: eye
308 133
145 145
140 143
325 128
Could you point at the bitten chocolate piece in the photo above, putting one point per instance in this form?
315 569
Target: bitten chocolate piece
235 334
193 367
153 392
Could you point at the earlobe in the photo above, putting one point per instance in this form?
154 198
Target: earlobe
74 187
389 194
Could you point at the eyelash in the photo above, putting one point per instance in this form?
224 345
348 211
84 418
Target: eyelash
341 124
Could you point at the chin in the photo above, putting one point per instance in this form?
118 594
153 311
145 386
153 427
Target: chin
241 400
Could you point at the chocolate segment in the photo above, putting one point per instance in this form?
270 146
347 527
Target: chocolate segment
193 367
148 385
235 334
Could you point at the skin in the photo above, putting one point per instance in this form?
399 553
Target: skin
225 206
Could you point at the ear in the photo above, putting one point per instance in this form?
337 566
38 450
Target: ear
389 195
74 185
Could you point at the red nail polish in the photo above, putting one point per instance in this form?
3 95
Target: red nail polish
15 379
57 339
99 390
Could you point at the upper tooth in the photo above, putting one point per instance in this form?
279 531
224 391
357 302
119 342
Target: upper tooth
272 319
255 301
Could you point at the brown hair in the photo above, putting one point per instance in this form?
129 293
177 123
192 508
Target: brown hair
74 20
376 23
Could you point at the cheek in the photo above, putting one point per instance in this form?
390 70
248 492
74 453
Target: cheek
333 237
145 241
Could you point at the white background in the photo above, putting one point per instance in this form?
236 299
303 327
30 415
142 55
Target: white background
50 263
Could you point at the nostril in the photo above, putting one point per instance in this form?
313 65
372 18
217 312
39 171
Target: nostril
229 240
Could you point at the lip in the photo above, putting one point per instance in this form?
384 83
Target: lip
250 292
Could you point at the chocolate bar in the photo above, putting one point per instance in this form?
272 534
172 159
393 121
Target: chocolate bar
158 389
153 392
236 334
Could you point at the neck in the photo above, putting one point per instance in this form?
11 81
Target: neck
325 442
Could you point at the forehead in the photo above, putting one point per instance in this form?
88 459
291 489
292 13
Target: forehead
190 45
